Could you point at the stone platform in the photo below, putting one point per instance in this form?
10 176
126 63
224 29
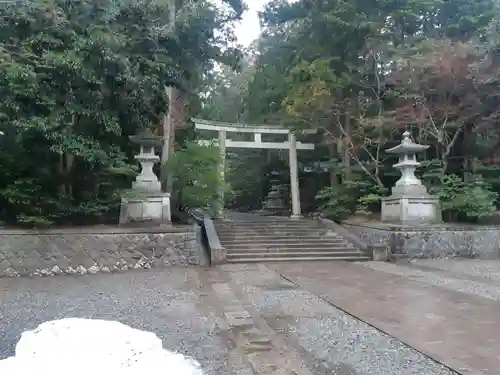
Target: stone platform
152 208
411 209
431 240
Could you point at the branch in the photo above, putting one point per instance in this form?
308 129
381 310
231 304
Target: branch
453 140
375 178
437 133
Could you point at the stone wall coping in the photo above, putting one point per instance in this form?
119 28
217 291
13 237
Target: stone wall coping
421 228
96 230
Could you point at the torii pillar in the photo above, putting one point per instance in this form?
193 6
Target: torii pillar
294 177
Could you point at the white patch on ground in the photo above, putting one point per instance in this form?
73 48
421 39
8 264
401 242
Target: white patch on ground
94 346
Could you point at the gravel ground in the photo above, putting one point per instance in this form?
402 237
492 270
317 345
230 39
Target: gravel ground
161 301
170 303
476 288
334 339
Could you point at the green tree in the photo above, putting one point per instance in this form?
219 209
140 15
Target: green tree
203 37
360 72
196 182
77 78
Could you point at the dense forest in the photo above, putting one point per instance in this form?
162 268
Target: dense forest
79 77
363 72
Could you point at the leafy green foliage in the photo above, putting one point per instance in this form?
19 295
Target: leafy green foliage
466 200
362 73
244 166
196 178
336 203
370 198
357 195
77 78
461 199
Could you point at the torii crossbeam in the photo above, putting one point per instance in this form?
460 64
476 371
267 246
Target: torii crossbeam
222 128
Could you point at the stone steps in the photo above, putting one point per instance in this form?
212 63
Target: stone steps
277 240
284 249
266 240
283 223
267 227
290 224
292 247
294 254
258 259
276 232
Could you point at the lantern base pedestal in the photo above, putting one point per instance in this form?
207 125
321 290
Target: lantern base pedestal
408 209
153 186
146 208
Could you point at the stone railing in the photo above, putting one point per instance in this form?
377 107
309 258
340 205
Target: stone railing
379 252
93 250
218 254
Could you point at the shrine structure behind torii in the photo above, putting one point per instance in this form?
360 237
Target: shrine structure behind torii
291 144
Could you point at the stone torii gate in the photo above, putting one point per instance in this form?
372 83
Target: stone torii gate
291 144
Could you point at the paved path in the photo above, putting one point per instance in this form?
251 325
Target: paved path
449 310
246 319
314 336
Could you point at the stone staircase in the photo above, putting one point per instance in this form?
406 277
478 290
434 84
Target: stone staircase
273 239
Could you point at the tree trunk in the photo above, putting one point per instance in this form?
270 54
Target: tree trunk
168 129
167 132
332 152
447 150
346 159
70 159
466 153
62 171
177 108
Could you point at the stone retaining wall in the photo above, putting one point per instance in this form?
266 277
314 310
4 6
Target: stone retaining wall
434 241
79 252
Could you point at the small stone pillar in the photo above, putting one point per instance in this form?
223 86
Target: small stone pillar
146 202
409 203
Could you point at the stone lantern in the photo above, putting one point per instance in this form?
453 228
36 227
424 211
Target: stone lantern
146 202
274 203
409 203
